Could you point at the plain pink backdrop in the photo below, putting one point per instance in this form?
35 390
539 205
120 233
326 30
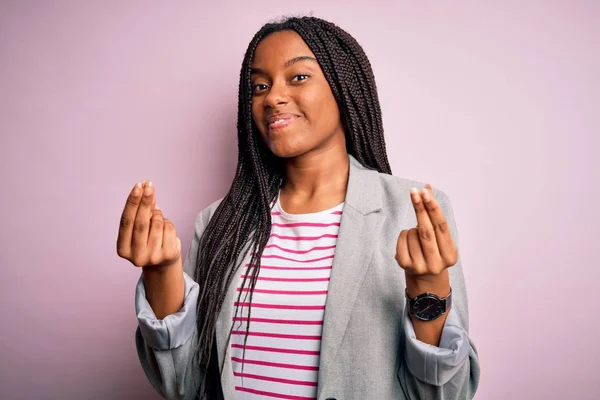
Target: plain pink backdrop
497 104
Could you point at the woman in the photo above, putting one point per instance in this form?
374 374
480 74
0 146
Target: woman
319 274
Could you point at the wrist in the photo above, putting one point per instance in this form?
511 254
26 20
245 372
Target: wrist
437 284
157 271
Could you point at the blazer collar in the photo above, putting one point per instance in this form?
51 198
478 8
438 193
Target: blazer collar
364 189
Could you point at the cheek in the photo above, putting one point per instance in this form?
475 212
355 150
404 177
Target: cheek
321 109
258 117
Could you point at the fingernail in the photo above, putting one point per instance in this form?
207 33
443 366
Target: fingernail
157 207
148 190
425 194
416 193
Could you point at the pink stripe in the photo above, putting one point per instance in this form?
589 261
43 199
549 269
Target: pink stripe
337 213
289 279
279 306
265 291
276 350
299 251
277 335
271 394
291 268
300 238
313 224
271 379
278 365
295 260
275 213
279 321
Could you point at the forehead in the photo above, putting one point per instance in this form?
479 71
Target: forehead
279 47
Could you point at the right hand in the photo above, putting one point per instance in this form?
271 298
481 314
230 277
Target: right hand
146 238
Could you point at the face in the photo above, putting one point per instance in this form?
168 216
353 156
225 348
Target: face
292 104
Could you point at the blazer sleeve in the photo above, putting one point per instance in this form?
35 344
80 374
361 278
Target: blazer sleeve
166 346
450 371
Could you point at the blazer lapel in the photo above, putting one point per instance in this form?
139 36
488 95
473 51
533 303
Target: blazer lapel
224 321
360 223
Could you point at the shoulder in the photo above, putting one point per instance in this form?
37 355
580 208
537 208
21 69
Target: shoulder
206 214
396 199
398 188
395 189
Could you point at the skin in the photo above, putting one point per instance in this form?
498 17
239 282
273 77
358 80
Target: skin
316 178
149 241
287 79
425 252
314 146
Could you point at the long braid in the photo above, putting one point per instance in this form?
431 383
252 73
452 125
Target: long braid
243 219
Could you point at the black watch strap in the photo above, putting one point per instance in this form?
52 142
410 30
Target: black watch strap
448 301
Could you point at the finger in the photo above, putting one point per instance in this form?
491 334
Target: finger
141 226
402 253
155 238
153 202
430 190
170 247
425 227
127 221
416 252
443 237
145 182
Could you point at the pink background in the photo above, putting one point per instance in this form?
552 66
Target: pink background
496 104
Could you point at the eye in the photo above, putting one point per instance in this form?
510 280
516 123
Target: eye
258 87
303 76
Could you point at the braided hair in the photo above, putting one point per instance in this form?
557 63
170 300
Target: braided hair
242 221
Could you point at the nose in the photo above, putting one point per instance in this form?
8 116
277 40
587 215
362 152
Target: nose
277 95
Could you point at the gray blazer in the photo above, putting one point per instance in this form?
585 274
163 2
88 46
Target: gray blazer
368 348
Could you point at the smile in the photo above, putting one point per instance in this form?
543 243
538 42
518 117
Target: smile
279 123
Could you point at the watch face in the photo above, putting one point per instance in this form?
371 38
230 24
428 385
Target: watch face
427 308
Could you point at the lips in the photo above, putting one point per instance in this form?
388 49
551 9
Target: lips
281 120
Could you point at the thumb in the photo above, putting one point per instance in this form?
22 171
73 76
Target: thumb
179 245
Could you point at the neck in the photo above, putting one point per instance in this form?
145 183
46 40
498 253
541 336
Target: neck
313 175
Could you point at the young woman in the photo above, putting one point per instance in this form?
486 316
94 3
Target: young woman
319 274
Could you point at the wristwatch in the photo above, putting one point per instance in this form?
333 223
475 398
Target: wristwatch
428 306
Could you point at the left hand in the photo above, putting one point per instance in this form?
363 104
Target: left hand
428 249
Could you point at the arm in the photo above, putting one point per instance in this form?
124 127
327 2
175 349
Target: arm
166 346
164 288
451 370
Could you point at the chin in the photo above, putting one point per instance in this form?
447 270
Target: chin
287 152
284 148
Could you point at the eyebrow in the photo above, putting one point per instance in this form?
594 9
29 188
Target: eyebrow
287 64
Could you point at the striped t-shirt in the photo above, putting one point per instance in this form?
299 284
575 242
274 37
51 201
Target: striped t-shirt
284 342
